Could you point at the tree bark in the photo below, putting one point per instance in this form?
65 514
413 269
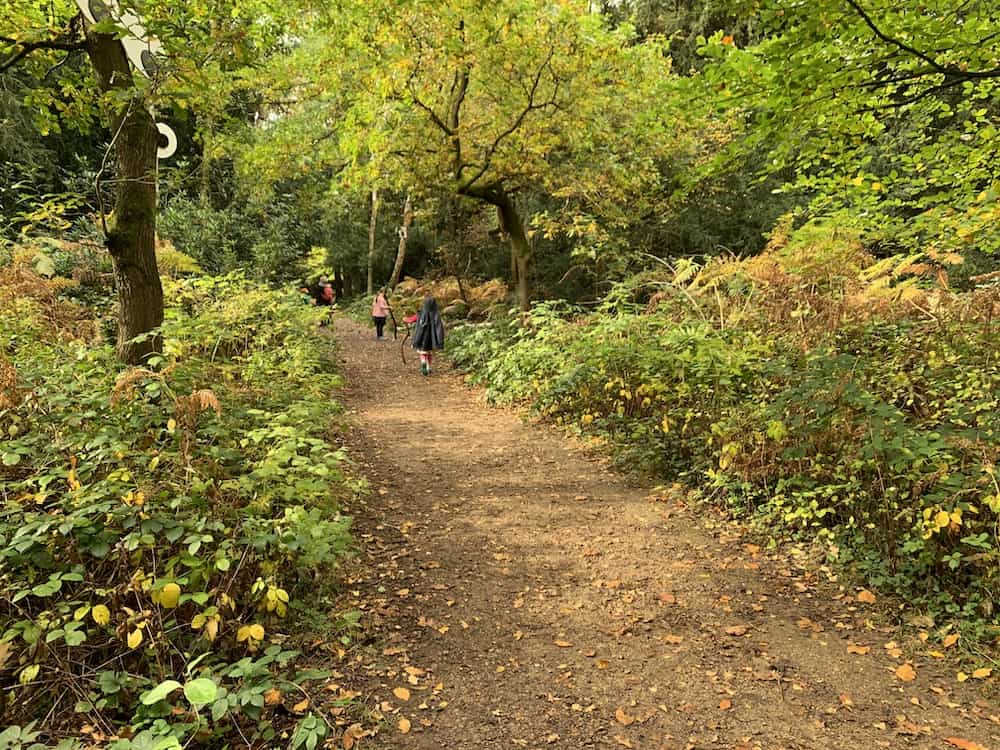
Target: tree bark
130 230
372 225
404 235
512 225
338 283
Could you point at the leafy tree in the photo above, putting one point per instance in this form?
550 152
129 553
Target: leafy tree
41 37
884 113
485 103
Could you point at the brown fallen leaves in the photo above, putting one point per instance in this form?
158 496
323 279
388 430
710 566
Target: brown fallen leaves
737 630
402 693
853 648
866 597
906 672
964 744
404 725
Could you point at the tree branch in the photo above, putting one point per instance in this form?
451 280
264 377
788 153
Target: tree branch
531 106
26 48
948 70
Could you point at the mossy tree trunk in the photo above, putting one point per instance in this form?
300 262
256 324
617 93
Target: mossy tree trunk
130 228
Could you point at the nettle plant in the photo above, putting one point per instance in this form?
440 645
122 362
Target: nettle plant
158 526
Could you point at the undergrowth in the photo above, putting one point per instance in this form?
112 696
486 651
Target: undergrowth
851 403
158 525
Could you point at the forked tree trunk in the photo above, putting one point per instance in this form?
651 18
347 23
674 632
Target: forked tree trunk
404 235
131 227
372 225
512 225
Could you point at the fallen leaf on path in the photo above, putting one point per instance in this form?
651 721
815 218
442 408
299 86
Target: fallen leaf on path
725 704
950 640
623 717
272 697
964 744
961 676
402 693
404 725
673 639
301 706
563 644
867 597
667 598
982 673
846 701
737 630
906 672
853 648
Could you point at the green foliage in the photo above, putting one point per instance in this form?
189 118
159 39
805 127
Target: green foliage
830 405
158 525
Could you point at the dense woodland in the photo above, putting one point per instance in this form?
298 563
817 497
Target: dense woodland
750 248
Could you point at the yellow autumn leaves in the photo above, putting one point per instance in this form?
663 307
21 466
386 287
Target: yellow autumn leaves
937 520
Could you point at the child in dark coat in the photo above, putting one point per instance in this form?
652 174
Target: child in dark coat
428 334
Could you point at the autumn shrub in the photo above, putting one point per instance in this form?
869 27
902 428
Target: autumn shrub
859 408
158 524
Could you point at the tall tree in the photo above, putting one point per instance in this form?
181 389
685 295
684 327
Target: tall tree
486 103
46 35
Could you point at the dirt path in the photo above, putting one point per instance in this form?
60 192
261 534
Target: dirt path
527 596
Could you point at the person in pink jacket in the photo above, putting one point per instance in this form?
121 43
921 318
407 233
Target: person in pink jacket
380 310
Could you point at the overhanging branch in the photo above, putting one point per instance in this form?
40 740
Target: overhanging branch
948 70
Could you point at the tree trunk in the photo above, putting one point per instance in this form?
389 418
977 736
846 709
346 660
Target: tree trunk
205 169
372 225
130 230
512 225
338 283
404 235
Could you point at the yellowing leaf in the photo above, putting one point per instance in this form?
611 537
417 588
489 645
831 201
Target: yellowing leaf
272 697
134 638
906 672
866 597
101 614
404 725
563 644
855 649
942 519
623 717
961 676
982 673
402 693
170 595
950 640
964 744
725 704
301 706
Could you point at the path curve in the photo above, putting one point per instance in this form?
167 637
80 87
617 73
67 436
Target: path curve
525 595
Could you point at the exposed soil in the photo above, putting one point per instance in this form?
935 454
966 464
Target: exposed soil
526 595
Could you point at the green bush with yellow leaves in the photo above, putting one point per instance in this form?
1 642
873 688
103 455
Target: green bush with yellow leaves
158 524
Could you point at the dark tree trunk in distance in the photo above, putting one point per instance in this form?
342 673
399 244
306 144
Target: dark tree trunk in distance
131 227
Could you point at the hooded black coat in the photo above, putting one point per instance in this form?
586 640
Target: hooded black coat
428 331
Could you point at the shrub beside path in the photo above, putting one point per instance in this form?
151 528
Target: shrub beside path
522 594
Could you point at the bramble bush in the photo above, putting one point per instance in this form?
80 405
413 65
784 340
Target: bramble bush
158 524
850 403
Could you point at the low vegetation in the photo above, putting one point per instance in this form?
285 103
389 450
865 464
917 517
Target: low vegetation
846 400
161 525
